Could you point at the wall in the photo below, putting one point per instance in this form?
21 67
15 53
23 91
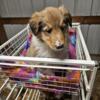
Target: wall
24 8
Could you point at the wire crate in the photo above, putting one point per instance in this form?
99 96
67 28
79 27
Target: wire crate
20 88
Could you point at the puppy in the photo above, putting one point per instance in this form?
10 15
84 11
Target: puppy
50 38
49 29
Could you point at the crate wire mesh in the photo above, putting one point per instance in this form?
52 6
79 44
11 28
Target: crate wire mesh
13 47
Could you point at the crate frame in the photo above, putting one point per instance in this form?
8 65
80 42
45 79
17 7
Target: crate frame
85 61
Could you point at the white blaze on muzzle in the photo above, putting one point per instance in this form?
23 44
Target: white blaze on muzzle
58 43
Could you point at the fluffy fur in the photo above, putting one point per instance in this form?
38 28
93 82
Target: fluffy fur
50 38
49 29
40 49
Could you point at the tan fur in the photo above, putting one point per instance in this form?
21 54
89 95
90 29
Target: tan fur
47 32
32 52
53 19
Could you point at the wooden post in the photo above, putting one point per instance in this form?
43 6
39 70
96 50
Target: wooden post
3 36
24 20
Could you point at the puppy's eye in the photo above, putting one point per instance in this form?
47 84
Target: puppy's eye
49 30
46 29
63 28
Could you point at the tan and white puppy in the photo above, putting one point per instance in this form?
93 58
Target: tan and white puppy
50 38
49 29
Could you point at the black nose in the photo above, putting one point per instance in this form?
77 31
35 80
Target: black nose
60 46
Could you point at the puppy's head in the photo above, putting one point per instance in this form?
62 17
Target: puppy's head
50 26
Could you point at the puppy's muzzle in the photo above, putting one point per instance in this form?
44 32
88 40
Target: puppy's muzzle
59 45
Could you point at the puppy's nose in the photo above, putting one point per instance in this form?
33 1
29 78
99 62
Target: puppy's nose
60 46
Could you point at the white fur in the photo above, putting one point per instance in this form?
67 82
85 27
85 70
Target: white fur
43 50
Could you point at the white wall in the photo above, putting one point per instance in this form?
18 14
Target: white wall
24 8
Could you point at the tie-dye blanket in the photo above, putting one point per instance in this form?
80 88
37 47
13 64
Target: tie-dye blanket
32 78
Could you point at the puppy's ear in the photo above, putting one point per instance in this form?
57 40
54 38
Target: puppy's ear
36 23
67 15
33 27
68 19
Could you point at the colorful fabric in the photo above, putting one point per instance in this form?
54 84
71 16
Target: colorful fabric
32 78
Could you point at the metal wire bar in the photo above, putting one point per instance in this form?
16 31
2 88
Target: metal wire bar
37 95
15 49
57 86
84 72
82 91
25 93
6 81
18 50
19 93
28 98
11 92
33 96
14 43
38 98
86 52
91 82
13 38
44 66
54 81
50 89
49 60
